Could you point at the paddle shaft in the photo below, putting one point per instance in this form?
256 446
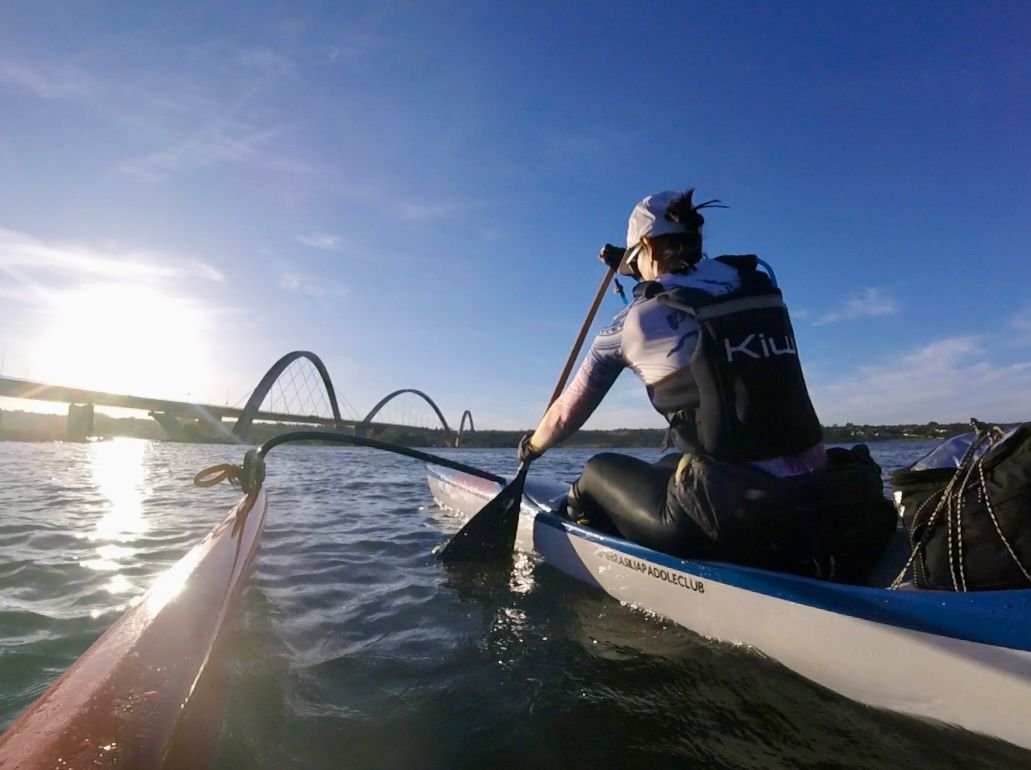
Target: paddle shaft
581 336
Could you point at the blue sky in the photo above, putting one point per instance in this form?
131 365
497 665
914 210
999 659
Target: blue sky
417 191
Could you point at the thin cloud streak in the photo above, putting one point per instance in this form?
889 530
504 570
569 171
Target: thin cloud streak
166 114
593 142
22 254
143 105
873 303
48 81
1021 324
155 107
223 138
311 286
422 211
210 147
321 241
268 62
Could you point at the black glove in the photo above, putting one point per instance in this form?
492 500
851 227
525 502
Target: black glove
527 452
611 255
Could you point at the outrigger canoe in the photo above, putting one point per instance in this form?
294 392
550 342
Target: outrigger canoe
149 693
958 658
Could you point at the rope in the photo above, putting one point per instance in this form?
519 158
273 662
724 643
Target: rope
216 474
998 529
944 503
914 549
956 505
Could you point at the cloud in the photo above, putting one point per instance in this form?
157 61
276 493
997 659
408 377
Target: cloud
311 286
204 270
948 380
559 145
202 118
1021 324
77 308
423 211
388 202
27 259
209 147
159 107
873 303
268 62
48 81
140 104
321 241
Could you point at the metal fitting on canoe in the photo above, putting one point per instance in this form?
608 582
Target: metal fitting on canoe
252 475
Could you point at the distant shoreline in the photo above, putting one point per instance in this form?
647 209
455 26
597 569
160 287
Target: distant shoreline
33 427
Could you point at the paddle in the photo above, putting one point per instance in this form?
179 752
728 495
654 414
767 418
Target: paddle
490 533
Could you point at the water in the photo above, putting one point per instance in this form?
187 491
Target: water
355 648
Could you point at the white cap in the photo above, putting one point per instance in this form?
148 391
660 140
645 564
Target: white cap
649 218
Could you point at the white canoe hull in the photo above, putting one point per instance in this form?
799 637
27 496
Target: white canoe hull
928 654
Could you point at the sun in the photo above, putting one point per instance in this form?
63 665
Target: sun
124 339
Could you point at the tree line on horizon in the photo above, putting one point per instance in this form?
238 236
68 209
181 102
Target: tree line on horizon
19 425
653 437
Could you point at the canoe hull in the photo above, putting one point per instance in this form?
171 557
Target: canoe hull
901 650
149 692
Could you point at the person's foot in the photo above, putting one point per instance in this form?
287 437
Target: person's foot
571 509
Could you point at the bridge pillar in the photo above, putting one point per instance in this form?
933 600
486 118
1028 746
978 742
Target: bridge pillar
211 428
171 425
80 421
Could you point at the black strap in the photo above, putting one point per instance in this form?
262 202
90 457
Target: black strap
648 289
740 262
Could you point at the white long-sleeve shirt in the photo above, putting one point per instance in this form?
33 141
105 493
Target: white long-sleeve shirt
656 342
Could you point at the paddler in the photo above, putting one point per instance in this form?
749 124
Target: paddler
752 482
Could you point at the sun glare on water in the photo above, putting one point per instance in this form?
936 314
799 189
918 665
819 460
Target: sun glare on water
117 470
124 339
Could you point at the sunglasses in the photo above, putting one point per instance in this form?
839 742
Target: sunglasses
631 263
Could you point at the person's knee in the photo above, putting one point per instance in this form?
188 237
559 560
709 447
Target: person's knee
600 470
605 461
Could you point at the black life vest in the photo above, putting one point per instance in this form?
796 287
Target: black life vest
750 400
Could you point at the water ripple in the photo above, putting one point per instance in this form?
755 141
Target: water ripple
355 647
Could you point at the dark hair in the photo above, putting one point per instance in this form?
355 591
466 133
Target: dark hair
678 252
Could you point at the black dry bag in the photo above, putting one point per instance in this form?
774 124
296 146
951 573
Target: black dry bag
970 524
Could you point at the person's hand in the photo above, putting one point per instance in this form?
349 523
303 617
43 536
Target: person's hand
527 452
611 255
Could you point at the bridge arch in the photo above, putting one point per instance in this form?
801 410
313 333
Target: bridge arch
390 396
461 426
242 428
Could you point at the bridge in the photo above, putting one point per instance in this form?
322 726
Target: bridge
206 420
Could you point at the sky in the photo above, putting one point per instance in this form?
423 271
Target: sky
417 192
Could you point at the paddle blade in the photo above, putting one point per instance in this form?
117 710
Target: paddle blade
490 534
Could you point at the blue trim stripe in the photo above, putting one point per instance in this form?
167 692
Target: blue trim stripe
996 618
